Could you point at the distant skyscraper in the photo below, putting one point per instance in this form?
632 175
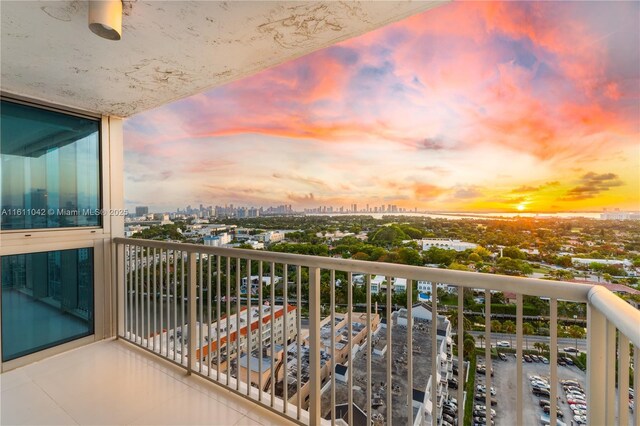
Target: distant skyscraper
142 210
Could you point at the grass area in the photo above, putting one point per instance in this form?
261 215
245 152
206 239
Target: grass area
470 389
541 270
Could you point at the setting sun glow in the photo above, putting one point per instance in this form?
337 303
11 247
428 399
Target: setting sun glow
473 106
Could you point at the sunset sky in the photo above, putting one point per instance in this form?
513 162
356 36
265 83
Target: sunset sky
468 107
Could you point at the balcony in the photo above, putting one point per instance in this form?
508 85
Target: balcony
177 299
164 288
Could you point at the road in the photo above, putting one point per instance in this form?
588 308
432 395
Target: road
563 342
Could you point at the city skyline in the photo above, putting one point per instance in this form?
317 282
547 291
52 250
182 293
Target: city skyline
471 107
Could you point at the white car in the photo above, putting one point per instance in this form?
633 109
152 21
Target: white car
578 406
503 344
540 384
581 420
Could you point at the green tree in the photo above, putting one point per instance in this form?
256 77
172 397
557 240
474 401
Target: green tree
513 253
469 345
453 319
527 329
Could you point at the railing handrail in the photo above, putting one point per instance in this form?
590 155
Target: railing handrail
624 316
562 290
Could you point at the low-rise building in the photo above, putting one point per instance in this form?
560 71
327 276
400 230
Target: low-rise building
445 243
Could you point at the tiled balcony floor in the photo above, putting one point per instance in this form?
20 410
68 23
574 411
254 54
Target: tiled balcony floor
113 383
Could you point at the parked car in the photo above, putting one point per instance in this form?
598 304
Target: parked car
449 418
540 392
544 402
483 389
484 408
453 383
503 344
527 358
535 358
581 420
547 409
561 362
481 397
482 413
578 406
541 385
544 359
502 356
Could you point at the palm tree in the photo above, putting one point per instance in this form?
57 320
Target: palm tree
481 338
453 319
509 327
496 326
537 345
468 346
576 332
527 329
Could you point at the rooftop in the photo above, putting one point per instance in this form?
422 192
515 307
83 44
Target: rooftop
421 342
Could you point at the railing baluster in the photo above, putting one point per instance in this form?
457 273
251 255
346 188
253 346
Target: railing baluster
461 370
314 346
209 318
299 337
435 352
369 352
249 328
137 287
155 298
350 330
192 327
260 306
128 294
389 354
175 304
272 323
553 365
410 354
636 385
200 341
183 320
148 286
218 315
519 382
487 352
168 295
596 374
228 344
332 308
121 290
238 326
610 367
623 380
285 334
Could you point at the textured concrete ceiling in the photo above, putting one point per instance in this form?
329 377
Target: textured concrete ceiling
169 50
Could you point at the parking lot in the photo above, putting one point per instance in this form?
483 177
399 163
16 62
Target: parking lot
504 380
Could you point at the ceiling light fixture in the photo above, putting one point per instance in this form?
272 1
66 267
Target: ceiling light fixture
105 18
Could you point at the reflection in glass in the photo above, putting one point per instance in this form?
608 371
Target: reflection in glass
47 299
50 169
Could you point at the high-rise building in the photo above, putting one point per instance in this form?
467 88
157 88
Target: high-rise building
142 211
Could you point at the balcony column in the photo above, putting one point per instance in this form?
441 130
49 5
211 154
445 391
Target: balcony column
120 283
596 367
314 347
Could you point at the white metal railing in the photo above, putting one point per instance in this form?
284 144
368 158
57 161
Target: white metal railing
171 299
